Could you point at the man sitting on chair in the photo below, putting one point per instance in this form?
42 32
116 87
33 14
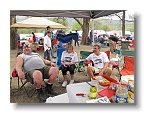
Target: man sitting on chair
34 68
100 61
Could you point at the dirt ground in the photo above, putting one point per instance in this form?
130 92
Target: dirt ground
21 96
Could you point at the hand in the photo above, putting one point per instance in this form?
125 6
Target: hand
101 73
21 75
53 64
65 65
70 63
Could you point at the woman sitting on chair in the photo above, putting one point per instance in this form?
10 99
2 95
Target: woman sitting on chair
68 60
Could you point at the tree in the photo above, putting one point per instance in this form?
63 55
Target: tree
13 33
85 28
62 21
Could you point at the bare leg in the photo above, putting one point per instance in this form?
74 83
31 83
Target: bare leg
53 72
108 71
90 71
37 77
72 76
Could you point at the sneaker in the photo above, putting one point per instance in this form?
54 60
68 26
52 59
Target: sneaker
41 94
64 84
71 82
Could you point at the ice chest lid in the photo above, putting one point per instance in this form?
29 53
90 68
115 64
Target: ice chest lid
106 92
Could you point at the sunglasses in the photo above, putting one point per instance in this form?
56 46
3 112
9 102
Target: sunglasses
26 45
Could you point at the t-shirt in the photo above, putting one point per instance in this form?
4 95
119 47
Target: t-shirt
47 40
32 61
98 60
69 57
113 38
34 38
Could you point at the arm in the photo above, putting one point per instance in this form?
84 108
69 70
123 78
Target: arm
47 62
75 59
19 63
45 42
62 62
88 58
47 45
62 59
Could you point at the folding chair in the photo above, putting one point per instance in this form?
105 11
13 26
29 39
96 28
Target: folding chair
128 63
113 65
81 65
23 83
124 45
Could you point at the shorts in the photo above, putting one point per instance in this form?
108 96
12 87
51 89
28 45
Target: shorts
96 70
44 71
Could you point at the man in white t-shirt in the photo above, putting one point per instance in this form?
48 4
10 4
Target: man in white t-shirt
100 62
47 45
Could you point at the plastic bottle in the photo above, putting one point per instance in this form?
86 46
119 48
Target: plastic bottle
93 92
121 94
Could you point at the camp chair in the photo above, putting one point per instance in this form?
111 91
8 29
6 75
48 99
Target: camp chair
112 64
20 86
81 65
128 63
124 45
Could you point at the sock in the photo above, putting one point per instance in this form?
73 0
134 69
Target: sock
49 86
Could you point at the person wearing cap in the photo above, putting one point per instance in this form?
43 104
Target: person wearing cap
45 35
34 68
48 46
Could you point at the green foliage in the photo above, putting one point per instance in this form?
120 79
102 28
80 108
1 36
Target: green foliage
30 30
97 24
105 27
76 26
129 28
62 21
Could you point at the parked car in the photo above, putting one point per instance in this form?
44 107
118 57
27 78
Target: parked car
128 35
